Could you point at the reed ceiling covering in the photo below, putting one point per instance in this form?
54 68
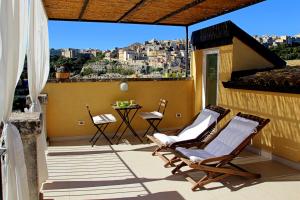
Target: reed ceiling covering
163 12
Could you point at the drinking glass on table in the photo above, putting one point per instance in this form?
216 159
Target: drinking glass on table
118 103
132 102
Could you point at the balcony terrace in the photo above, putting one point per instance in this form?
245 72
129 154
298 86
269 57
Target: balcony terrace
129 171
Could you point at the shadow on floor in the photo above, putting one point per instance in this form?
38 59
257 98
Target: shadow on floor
171 195
84 184
270 171
85 171
76 153
127 139
89 152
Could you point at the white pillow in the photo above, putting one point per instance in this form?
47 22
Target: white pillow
203 121
165 139
232 136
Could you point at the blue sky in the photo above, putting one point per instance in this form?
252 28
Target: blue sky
273 17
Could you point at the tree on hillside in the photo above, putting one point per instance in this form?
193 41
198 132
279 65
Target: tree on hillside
287 52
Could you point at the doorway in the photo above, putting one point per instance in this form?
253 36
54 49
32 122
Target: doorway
210 77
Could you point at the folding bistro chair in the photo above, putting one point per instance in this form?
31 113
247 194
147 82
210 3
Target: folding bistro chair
100 122
215 159
197 133
154 118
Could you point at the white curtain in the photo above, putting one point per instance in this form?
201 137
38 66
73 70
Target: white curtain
13 38
38 53
38 71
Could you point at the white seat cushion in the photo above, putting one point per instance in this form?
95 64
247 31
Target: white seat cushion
165 139
103 119
194 155
203 121
151 115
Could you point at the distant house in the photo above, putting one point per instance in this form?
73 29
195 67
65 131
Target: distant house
130 55
107 54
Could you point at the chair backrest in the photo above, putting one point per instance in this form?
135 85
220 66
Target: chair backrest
236 135
90 114
262 123
203 123
162 106
204 120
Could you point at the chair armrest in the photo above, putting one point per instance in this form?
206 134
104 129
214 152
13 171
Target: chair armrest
216 159
187 144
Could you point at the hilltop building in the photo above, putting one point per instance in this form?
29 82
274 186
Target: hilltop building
269 41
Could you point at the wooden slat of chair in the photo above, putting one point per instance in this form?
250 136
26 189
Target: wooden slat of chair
154 122
219 168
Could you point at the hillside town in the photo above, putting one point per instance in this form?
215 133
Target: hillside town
153 58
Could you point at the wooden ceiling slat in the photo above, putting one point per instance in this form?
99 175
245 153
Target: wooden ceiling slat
85 3
190 5
111 10
205 10
63 9
163 12
136 6
153 10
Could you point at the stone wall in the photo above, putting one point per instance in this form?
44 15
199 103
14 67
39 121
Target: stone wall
29 126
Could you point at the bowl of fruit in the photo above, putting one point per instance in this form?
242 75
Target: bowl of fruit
123 104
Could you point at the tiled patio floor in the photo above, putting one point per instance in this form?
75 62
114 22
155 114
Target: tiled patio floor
78 171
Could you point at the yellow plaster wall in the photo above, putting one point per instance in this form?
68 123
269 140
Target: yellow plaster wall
246 58
196 71
67 102
282 135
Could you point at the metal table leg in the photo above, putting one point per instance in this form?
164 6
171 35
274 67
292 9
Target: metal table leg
123 116
127 120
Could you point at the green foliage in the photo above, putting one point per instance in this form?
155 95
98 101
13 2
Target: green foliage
121 70
127 71
287 52
87 71
106 62
99 57
74 65
99 73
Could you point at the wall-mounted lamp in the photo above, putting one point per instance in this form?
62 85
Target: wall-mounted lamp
124 86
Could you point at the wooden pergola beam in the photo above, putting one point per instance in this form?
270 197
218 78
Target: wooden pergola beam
164 13
226 12
136 6
187 64
188 6
85 4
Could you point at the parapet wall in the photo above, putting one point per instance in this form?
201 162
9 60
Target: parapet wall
67 101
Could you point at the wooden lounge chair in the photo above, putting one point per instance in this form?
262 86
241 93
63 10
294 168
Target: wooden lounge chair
196 133
215 159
